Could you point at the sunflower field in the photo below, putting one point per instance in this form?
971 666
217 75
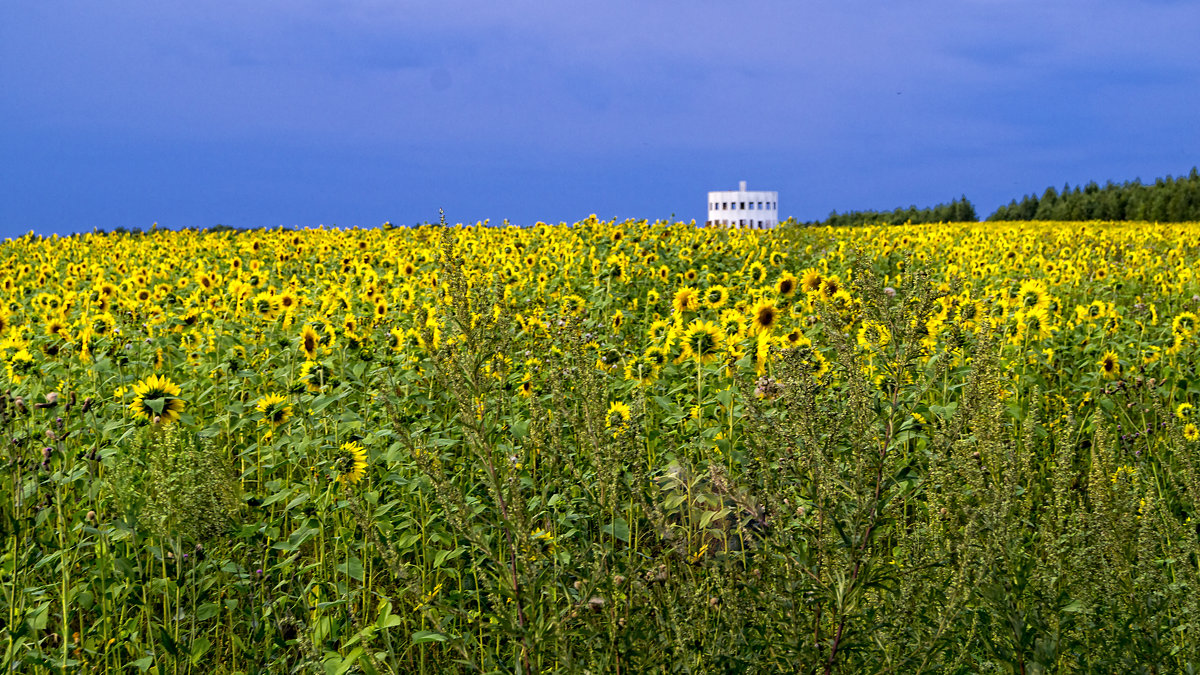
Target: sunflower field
602 447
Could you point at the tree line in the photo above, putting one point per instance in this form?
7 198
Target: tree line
1167 200
958 211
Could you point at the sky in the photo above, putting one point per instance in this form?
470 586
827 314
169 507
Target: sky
350 113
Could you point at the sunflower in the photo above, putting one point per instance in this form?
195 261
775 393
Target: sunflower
266 306
1184 324
289 302
156 398
19 366
657 355
874 335
57 327
351 463
640 370
1032 294
1110 366
763 316
703 341
786 284
829 287
1035 324
309 341
617 417
758 273
1184 410
810 281
102 324
733 323
687 299
313 376
275 409
1190 432
716 297
573 304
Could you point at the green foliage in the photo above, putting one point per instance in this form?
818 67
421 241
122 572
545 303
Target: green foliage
957 211
1167 200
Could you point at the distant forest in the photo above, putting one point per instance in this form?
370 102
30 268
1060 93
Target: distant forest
957 211
1166 200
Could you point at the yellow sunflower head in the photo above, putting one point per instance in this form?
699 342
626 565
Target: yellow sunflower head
1110 365
351 463
156 398
275 409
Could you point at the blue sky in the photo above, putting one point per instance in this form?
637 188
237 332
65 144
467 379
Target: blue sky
356 112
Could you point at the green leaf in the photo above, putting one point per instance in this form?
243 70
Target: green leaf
200 646
144 663
443 556
352 568
427 636
207 611
618 529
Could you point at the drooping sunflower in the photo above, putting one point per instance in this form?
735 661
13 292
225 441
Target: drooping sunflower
763 317
1110 365
351 463
275 409
703 341
309 341
156 397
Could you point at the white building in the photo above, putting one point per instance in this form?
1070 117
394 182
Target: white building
743 208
